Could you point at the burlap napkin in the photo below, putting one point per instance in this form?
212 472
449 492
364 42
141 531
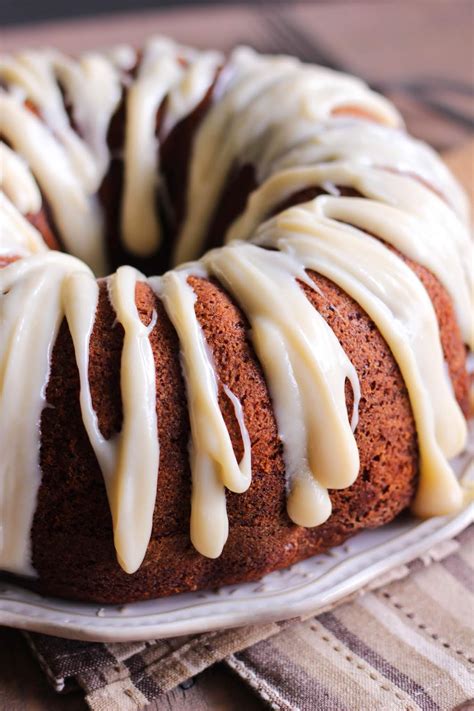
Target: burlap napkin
405 642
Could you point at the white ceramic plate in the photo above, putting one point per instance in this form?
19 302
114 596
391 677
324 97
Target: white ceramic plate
305 587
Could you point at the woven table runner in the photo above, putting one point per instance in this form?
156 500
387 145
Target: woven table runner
404 643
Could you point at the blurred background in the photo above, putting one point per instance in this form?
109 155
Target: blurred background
418 52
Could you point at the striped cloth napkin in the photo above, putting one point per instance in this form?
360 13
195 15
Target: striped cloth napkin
405 643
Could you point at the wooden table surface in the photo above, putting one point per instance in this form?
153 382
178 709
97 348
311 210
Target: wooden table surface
387 43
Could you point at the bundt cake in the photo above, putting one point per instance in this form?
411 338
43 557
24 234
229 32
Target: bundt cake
300 377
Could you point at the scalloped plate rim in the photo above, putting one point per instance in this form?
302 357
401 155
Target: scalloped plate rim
25 610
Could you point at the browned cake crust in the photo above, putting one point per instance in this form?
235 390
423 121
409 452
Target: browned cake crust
72 540
72 534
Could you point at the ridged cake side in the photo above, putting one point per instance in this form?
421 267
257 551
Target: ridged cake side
189 427
73 548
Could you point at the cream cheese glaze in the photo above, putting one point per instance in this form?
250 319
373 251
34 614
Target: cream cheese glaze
303 363
393 296
17 182
130 471
36 281
283 118
213 462
185 87
16 233
397 208
262 96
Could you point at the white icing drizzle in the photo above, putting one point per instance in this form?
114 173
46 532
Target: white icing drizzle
345 139
17 235
213 462
130 472
17 182
162 73
396 208
132 482
91 84
167 71
35 281
70 166
304 364
263 95
196 79
141 148
282 117
75 212
393 296
56 285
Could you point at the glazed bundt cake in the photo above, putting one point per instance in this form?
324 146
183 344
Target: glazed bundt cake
300 377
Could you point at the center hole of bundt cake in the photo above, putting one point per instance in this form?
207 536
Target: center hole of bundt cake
172 211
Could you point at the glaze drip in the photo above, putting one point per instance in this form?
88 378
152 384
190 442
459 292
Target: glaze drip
290 122
213 462
303 363
58 286
394 298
